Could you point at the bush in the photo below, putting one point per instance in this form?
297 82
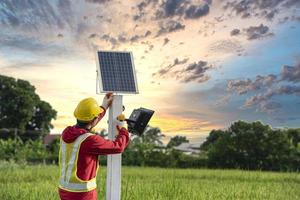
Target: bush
22 152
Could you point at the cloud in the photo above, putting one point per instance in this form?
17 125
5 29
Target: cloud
285 119
148 33
270 14
247 85
21 65
223 99
258 99
93 35
287 89
256 32
291 73
296 18
291 3
31 45
98 1
264 8
166 41
169 27
34 15
288 73
194 12
164 71
171 8
168 9
263 98
60 35
225 46
285 83
46 21
269 107
180 8
193 72
235 32
121 38
137 38
113 41
142 5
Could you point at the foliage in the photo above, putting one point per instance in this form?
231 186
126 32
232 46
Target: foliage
211 139
27 151
26 135
294 136
53 150
251 146
152 135
22 108
103 133
176 141
147 150
42 116
37 182
243 145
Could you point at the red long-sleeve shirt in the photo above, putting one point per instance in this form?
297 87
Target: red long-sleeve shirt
89 151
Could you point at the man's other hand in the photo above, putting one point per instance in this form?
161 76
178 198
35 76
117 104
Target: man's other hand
121 123
107 100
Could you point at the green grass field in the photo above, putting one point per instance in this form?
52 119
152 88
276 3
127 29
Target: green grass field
40 183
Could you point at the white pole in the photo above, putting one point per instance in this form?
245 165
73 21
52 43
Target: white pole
114 162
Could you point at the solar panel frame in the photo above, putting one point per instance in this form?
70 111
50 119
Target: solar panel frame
100 78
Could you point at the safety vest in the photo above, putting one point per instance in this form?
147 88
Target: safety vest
68 157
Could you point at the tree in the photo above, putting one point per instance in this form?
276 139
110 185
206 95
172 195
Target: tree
213 136
22 108
41 118
103 133
294 136
53 150
252 146
151 135
176 141
142 148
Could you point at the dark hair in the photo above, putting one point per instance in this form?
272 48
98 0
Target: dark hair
82 124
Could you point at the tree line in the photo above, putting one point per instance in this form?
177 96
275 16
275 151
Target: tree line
253 146
244 145
25 119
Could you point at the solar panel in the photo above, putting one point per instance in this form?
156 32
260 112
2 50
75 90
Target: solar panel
116 72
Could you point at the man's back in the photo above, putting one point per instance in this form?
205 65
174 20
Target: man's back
87 160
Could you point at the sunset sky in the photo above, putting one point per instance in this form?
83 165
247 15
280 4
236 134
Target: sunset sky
200 64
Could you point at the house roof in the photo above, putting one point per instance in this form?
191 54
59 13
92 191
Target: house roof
188 147
50 137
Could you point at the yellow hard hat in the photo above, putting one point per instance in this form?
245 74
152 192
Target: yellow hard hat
87 110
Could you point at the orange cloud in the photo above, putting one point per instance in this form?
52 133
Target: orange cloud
173 125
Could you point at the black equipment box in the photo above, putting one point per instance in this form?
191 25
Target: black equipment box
138 120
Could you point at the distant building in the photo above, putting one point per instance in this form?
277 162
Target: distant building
188 148
50 137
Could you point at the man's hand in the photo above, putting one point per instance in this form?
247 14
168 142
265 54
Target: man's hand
107 100
121 123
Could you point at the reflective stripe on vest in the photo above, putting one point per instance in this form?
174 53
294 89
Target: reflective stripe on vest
69 168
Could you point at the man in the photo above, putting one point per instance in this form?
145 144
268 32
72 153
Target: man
79 150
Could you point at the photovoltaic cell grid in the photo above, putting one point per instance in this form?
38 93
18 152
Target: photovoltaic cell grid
117 73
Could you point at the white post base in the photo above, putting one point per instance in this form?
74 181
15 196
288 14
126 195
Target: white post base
114 162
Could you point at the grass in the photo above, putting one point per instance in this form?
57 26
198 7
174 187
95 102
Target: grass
40 182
